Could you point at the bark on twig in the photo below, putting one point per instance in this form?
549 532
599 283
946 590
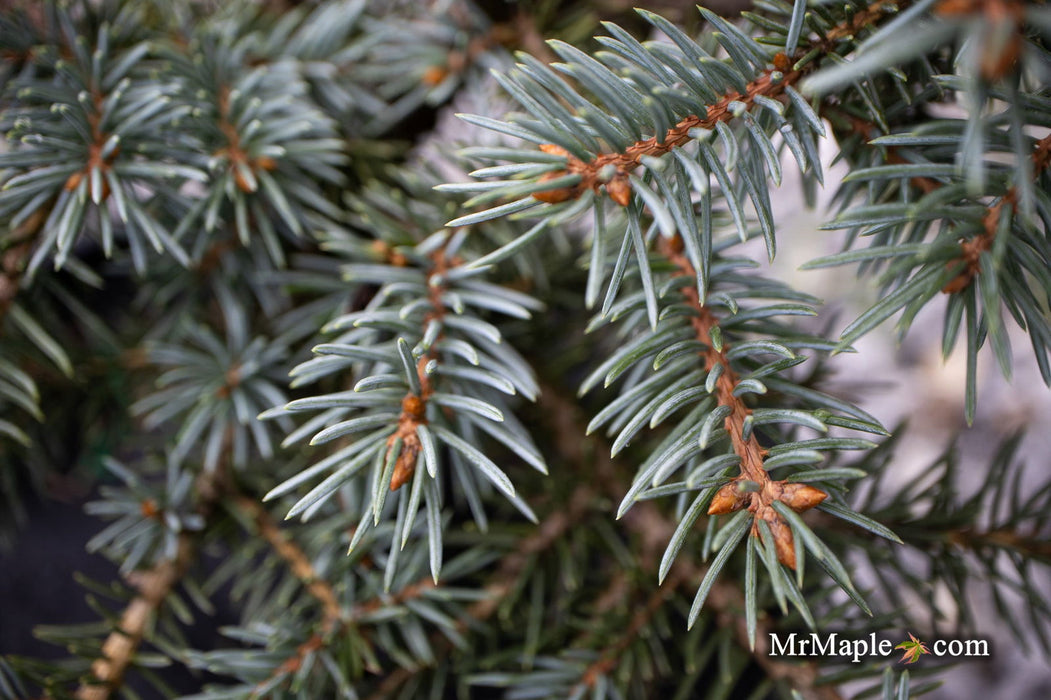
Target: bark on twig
653 530
152 586
120 646
612 169
296 559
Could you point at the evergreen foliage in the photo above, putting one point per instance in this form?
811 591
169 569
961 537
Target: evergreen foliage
545 431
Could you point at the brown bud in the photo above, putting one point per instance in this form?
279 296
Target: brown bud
413 406
955 8
554 196
1000 53
149 509
727 499
784 542
1042 154
561 194
404 468
782 62
958 283
406 465
74 180
619 190
675 244
800 497
233 376
434 75
266 163
554 150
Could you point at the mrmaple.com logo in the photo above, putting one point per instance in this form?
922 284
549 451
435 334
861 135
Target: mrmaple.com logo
855 649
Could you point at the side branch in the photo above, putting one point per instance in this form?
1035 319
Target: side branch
753 488
120 646
771 83
593 173
296 559
414 406
647 522
510 568
972 249
153 586
642 617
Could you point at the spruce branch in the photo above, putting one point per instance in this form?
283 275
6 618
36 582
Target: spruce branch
1030 545
665 206
243 166
613 169
511 567
972 248
216 385
981 247
753 488
296 559
551 529
414 406
431 372
90 138
239 141
654 529
153 587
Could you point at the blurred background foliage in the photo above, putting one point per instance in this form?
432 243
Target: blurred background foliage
319 442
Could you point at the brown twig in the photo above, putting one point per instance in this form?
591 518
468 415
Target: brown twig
654 529
297 560
1031 546
612 170
651 527
153 586
753 488
972 248
505 578
512 566
639 621
414 406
